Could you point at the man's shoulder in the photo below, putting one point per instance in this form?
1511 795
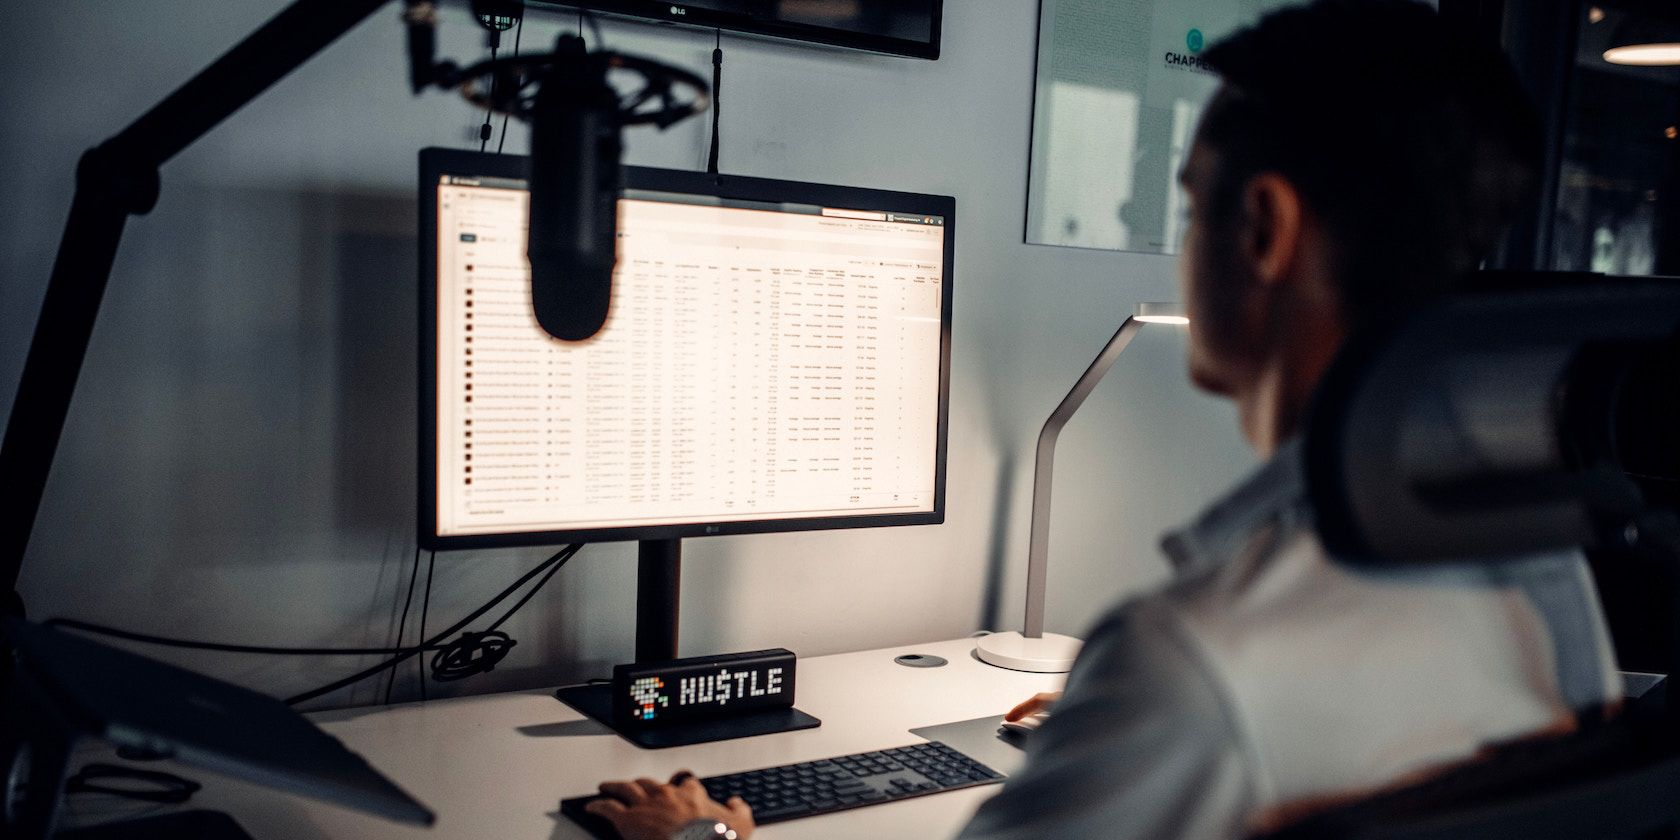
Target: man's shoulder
1281 587
1419 665
1252 571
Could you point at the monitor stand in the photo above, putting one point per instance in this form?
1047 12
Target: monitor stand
658 585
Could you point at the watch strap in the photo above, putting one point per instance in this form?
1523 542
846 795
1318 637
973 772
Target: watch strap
703 830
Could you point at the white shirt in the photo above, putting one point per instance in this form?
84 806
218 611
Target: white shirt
1267 676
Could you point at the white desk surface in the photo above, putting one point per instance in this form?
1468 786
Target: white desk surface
497 766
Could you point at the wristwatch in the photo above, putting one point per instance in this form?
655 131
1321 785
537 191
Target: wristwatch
703 830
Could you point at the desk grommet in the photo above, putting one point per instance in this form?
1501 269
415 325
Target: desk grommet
920 660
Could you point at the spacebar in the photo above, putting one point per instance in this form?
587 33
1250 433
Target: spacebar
783 812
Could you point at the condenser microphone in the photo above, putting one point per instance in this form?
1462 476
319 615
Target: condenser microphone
576 144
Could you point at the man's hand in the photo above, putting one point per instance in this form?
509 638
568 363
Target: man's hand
1037 703
647 810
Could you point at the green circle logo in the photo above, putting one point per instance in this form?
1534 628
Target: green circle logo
1194 40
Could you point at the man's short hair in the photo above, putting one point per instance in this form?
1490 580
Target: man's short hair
1414 143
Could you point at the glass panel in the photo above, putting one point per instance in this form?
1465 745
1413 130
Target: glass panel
1618 207
1119 91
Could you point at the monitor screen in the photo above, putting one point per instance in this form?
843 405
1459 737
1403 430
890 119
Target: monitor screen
775 358
899 27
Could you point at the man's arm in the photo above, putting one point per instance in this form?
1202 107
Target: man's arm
1140 746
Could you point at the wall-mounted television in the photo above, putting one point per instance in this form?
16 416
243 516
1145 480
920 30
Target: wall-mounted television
896 27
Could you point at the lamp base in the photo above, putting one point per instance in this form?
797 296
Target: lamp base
1051 654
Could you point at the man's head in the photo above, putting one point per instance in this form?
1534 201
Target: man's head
1358 158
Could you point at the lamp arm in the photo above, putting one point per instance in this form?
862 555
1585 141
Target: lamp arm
1038 548
114 180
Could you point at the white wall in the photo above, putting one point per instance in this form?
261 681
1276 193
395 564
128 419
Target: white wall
238 463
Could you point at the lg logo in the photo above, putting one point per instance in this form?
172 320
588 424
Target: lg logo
713 529
678 11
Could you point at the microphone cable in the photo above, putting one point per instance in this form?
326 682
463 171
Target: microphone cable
478 653
552 563
402 625
460 650
717 99
425 608
484 131
518 29
496 17
216 647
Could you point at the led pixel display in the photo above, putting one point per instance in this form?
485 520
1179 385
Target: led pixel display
702 688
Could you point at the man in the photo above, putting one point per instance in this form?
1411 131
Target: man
1357 160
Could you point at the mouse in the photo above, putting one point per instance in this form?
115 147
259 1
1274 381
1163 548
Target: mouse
1025 726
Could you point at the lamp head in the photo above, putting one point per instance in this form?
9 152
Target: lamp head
1661 54
1161 313
1644 40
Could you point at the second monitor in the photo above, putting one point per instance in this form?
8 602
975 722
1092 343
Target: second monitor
776 358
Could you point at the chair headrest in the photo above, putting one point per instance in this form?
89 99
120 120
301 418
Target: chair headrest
1494 425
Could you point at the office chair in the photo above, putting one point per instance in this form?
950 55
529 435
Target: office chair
1495 426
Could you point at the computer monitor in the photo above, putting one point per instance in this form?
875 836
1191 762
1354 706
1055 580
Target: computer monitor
776 358
897 27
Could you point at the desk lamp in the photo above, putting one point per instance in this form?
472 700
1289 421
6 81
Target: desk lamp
1033 649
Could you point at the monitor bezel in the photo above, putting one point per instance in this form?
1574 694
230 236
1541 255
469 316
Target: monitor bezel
436 162
681 14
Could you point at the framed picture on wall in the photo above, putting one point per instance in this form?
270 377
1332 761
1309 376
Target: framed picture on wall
1120 86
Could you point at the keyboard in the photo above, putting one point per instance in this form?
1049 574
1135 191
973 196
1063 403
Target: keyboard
791 791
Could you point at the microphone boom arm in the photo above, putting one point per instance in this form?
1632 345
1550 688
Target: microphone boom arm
120 177
114 180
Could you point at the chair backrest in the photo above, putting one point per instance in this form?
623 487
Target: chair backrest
1488 426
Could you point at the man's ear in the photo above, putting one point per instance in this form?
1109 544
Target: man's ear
1272 211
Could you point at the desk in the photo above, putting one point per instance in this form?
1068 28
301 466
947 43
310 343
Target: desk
497 766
